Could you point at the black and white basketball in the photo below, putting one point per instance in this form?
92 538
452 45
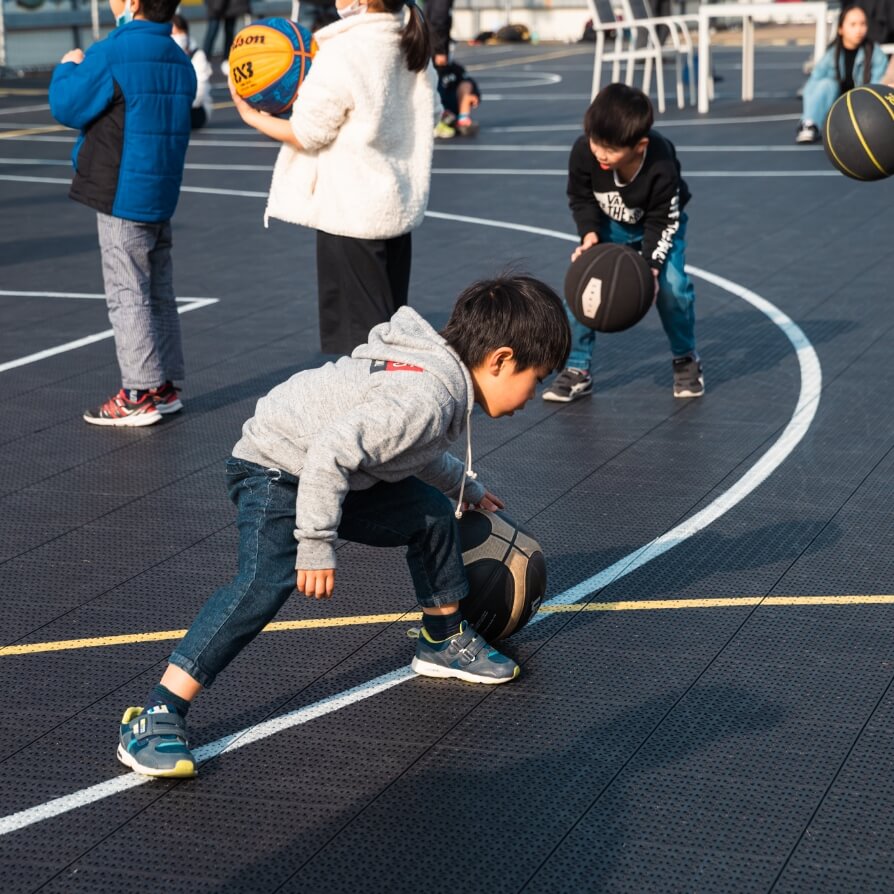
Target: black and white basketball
609 287
506 571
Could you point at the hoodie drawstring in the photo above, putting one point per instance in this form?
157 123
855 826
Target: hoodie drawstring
468 471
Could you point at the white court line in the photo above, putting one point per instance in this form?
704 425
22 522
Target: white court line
660 123
805 410
527 128
188 305
560 172
20 109
468 147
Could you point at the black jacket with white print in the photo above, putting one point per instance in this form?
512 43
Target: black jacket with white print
654 197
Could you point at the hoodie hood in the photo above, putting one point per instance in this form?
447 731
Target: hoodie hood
410 340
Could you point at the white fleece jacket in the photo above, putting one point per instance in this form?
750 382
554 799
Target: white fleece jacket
365 122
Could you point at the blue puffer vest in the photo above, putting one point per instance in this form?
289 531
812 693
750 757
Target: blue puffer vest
130 97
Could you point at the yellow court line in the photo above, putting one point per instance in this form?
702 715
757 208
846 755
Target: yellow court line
23 91
31 131
355 620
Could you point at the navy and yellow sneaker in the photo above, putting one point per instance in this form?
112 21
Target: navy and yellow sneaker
154 743
465 656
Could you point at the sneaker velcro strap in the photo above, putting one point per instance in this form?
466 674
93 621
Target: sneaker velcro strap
468 652
159 724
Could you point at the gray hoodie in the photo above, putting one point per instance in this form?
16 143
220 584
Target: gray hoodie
388 411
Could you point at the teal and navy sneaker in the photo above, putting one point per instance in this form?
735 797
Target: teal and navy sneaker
466 656
154 743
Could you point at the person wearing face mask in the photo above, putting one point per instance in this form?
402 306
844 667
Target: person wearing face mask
201 105
850 60
355 161
130 95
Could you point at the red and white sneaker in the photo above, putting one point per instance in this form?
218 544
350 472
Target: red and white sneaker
121 410
167 399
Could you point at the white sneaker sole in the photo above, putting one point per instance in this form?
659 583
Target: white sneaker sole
181 770
174 407
425 669
557 398
126 421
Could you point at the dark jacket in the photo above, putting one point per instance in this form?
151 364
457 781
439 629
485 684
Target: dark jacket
131 99
654 199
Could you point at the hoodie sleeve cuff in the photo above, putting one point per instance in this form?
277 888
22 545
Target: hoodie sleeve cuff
474 492
314 555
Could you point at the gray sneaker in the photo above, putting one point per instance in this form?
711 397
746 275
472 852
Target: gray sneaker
465 656
689 380
154 743
569 385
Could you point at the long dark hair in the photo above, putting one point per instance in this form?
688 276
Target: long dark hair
415 43
866 46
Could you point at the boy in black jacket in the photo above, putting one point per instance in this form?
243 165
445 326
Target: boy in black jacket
624 185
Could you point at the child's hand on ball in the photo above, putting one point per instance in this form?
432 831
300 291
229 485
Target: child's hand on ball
588 241
490 502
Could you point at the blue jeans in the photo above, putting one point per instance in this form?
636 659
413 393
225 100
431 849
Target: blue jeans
676 296
409 513
819 96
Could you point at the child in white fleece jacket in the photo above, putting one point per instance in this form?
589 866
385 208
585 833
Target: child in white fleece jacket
356 161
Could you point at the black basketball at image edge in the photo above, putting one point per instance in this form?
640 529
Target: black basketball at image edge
609 287
506 571
859 137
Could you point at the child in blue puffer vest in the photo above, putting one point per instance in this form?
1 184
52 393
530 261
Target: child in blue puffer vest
131 96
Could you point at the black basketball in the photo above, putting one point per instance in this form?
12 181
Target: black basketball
609 287
506 571
859 138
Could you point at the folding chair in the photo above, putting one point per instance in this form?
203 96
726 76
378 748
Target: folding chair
675 30
626 37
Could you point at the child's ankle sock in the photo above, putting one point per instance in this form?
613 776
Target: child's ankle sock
136 394
161 695
464 119
441 627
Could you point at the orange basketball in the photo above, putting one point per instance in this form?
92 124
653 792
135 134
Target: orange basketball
269 61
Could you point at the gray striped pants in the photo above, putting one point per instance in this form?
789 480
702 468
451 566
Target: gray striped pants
138 277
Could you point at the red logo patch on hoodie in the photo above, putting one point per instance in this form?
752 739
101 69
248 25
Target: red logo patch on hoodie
393 366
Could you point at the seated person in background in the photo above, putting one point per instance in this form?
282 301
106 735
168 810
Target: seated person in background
459 95
201 106
851 59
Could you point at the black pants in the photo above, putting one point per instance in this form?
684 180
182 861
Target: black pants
440 19
361 283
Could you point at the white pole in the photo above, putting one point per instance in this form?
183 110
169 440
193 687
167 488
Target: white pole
2 39
94 16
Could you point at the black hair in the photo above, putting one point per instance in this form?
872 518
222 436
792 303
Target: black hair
512 310
415 42
180 23
158 10
619 117
866 46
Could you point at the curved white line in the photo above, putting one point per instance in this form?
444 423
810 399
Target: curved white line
805 410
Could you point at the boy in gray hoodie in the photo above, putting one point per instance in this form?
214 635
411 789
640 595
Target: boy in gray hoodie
357 449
